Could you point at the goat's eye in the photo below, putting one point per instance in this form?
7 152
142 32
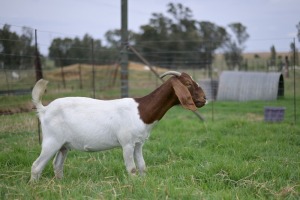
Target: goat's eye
189 85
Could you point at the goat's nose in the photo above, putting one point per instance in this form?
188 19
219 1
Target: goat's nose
205 100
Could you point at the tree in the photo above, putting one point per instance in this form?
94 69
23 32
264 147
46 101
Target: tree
273 56
240 32
59 50
155 37
233 55
17 51
294 55
234 46
113 37
298 28
179 12
212 37
178 39
69 51
8 39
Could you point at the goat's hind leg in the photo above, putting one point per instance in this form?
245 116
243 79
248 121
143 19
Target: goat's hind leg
138 155
48 151
58 162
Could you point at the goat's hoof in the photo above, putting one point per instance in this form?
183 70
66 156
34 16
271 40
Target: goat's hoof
32 180
58 176
133 172
142 174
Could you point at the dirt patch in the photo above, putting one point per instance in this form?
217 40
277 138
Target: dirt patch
73 72
254 117
28 107
141 67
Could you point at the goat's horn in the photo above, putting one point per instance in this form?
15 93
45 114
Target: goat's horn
174 73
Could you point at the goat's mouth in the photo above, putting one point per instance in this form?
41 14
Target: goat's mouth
199 103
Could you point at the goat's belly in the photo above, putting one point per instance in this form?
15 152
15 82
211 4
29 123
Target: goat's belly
87 140
91 145
90 148
95 148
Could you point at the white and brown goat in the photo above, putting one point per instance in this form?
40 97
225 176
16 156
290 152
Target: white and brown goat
95 125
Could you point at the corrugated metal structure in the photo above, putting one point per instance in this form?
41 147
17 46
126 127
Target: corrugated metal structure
210 88
246 86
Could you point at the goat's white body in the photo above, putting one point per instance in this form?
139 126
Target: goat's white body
93 125
88 125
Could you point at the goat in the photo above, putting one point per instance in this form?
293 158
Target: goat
95 125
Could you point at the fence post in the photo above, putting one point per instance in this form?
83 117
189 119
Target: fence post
211 81
80 77
124 53
37 63
295 104
93 71
62 73
6 78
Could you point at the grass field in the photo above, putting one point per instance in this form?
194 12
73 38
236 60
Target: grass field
235 156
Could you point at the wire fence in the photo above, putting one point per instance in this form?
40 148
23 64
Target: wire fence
87 68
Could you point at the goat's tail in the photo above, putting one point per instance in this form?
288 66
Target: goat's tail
38 92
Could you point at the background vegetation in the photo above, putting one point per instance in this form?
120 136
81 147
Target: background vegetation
171 40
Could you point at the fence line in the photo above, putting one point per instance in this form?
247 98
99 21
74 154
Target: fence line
96 72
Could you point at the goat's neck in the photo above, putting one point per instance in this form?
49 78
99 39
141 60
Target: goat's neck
153 106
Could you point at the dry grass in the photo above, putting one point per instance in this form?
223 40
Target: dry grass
72 72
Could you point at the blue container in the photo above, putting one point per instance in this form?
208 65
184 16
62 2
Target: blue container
274 114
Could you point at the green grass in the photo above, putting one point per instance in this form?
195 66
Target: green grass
236 156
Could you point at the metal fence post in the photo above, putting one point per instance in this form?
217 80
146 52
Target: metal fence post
124 52
37 63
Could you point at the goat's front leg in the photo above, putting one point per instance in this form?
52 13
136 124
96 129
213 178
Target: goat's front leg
128 151
138 154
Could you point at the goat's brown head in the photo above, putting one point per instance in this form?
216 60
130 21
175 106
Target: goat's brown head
189 93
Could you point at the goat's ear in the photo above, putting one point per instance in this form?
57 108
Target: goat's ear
183 95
